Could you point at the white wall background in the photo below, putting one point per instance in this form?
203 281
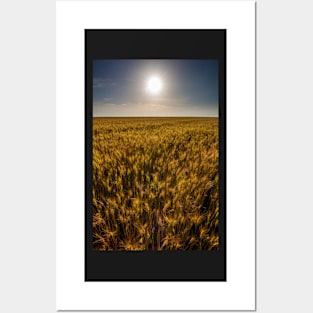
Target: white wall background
284 156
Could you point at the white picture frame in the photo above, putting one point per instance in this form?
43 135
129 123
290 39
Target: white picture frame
238 18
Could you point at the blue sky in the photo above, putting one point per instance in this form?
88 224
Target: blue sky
184 88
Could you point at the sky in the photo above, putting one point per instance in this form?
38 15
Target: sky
155 88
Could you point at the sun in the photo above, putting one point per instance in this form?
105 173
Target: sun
154 85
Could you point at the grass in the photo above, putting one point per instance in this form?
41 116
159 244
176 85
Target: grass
155 184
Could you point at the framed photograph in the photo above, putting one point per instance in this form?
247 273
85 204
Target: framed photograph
155 155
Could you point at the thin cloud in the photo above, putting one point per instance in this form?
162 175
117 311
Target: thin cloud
108 102
171 101
103 82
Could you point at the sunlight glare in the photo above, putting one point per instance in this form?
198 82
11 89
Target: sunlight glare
154 85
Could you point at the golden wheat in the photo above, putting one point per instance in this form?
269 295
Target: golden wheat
155 184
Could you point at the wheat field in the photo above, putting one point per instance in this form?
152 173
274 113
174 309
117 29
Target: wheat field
155 184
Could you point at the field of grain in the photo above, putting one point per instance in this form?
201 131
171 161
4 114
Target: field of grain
155 184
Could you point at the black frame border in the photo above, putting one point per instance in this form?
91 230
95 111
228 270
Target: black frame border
155 265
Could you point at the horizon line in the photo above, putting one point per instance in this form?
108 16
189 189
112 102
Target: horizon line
160 116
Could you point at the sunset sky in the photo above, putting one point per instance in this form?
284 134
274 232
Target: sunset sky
155 88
